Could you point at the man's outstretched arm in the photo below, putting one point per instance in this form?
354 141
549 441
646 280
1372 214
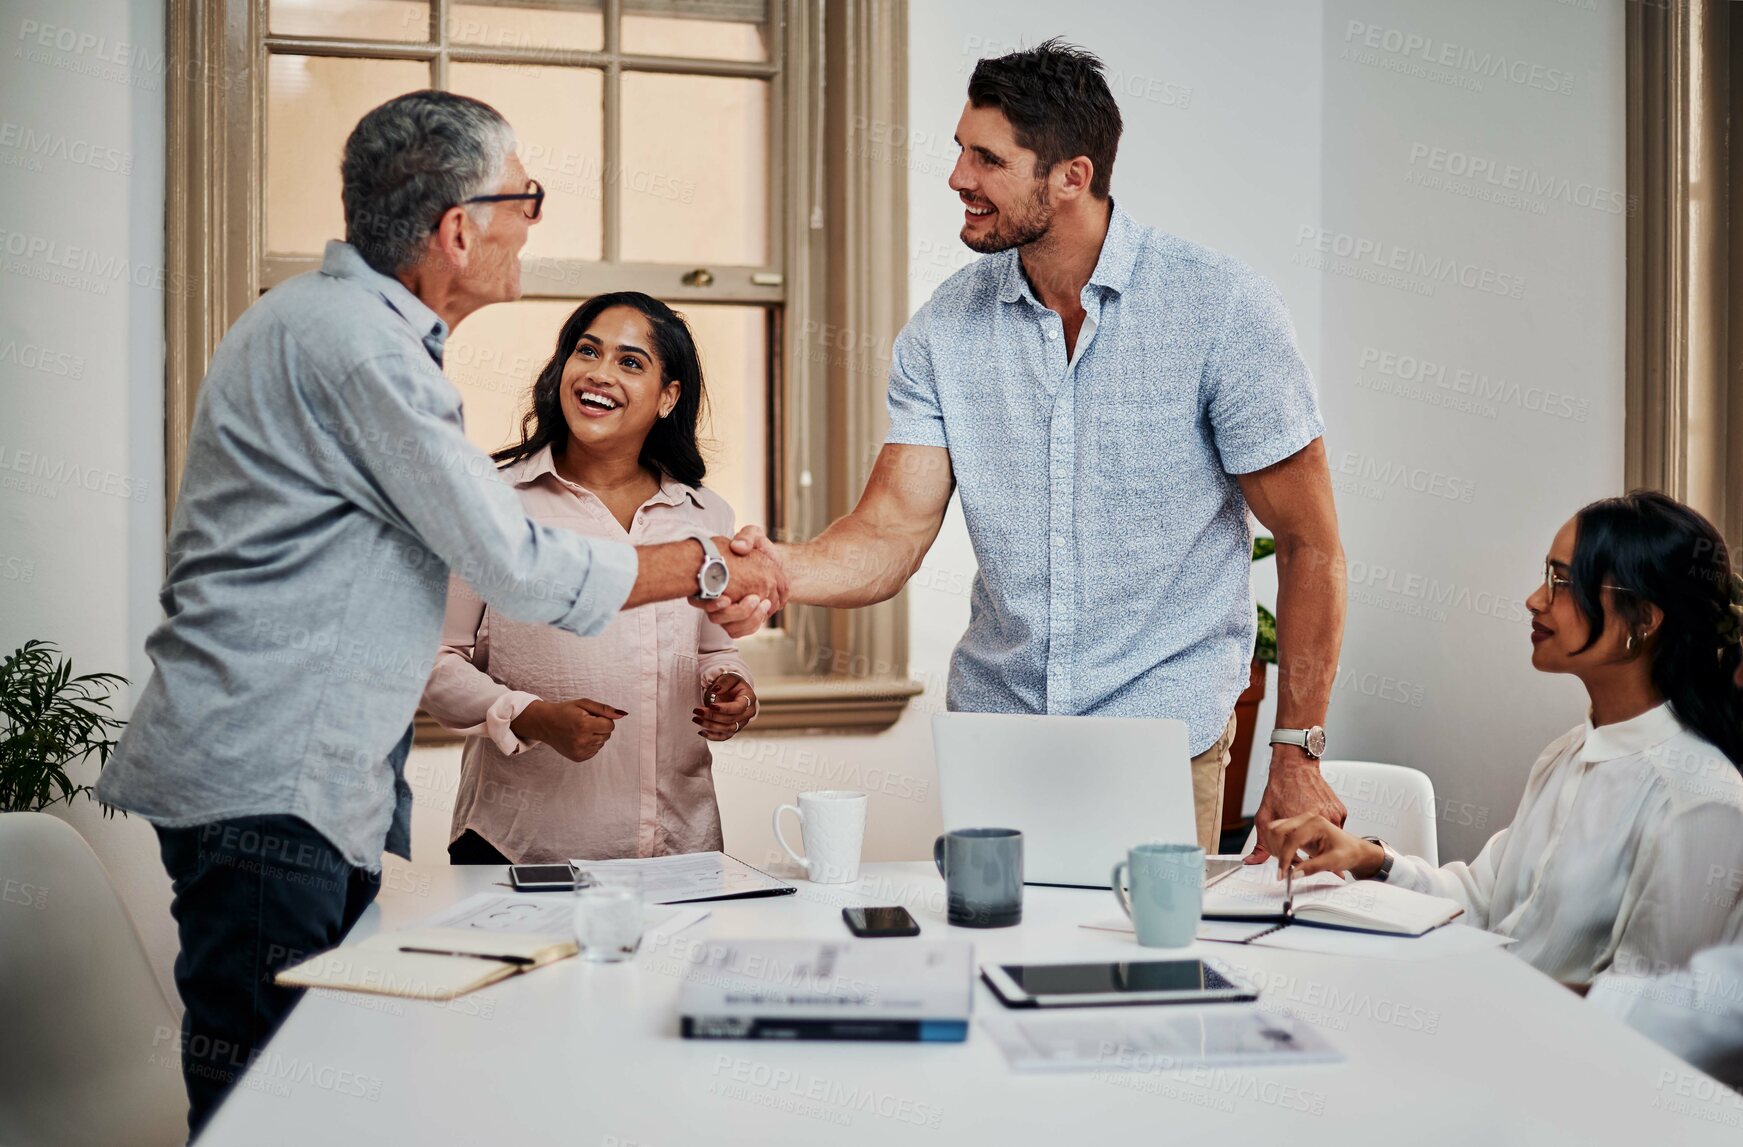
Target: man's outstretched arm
1293 499
868 555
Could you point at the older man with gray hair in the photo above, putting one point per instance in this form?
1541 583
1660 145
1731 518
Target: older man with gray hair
328 492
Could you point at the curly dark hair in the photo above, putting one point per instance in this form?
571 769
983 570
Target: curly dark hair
1662 552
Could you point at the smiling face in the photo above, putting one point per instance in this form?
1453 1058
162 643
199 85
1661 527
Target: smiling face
1559 629
613 388
1005 200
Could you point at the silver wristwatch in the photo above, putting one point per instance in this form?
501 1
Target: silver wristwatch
711 579
1384 873
1311 739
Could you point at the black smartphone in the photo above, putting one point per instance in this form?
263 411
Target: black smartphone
541 877
871 922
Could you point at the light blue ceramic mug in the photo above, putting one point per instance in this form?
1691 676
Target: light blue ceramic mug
1166 892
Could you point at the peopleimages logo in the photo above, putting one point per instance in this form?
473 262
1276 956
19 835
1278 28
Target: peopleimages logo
1475 62
32 472
1386 473
1514 177
1390 257
1407 374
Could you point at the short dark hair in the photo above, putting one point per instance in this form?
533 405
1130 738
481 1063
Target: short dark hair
671 449
1058 103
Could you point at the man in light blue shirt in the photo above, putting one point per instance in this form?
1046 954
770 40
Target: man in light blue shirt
1110 401
329 490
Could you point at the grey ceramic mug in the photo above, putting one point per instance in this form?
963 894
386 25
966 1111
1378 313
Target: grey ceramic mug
983 876
1166 896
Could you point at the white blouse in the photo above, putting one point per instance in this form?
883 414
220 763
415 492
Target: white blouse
1696 1013
1623 856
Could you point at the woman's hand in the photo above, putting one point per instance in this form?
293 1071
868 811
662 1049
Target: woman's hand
1328 847
729 705
576 729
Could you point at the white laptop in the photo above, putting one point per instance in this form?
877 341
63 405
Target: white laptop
1082 790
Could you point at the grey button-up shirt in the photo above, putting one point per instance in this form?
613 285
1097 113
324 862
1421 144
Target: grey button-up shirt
329 490
1099 488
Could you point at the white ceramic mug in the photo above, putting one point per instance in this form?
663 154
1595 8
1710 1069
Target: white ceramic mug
832 828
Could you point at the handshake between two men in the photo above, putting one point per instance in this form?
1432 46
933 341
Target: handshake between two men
869 554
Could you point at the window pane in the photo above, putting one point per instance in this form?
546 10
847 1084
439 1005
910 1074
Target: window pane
713 30
353 19
312 104
565 24
695 173
558 116
733 343
494 356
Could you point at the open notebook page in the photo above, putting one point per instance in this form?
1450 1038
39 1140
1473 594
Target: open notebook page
1326 898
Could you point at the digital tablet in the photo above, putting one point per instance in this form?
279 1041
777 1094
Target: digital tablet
1181 981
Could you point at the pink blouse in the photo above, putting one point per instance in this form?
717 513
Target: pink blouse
650 790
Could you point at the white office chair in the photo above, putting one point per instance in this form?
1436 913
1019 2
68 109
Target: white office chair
92 1050
1392 802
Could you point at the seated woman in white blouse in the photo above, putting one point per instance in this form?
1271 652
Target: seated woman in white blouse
1619 856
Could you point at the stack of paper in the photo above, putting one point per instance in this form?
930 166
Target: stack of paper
692 876
1155 1039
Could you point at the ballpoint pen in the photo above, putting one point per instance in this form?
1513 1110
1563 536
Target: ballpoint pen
474 955
1289 891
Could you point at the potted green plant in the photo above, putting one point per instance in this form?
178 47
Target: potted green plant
50 721
1247 705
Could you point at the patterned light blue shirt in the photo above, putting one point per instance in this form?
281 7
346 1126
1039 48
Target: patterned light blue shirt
329 490
1099 491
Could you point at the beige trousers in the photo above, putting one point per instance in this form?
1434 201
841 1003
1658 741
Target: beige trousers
1207 788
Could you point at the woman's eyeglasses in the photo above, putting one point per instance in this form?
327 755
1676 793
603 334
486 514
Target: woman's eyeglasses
534 195
1553 581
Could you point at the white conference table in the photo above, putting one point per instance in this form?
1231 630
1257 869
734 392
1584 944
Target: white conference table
1474 1050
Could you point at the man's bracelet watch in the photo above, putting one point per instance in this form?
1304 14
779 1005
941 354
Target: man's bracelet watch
1384 872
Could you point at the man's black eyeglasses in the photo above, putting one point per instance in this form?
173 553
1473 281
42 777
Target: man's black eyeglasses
534 192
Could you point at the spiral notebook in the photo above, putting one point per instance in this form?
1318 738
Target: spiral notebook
1327 900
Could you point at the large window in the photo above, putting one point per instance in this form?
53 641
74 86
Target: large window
651 127
708 152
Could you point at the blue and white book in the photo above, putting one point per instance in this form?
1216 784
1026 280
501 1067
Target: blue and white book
921 990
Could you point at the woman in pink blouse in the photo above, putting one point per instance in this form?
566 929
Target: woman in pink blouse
596 747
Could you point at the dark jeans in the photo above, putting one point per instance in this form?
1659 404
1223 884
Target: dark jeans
252 896
470 848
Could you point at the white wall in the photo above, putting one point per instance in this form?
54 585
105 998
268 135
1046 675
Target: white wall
1439 578
1245 123
81 366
